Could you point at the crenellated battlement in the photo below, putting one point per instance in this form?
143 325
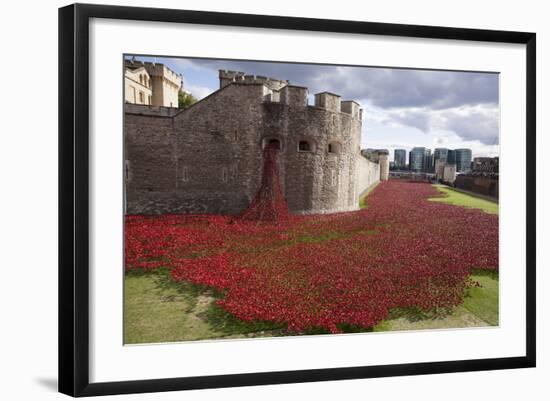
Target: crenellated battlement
353 108
277 90
227 77
333 102
154 69
329 101
321 168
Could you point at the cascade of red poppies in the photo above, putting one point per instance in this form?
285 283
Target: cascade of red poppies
326 270
269 203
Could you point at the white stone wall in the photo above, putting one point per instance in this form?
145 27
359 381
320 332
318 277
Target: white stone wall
449 173
171 85
384 163
368 173
133 87
163 83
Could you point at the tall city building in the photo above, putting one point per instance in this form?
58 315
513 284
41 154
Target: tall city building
417 158
428 161
463 160
441 154
451 156
400 158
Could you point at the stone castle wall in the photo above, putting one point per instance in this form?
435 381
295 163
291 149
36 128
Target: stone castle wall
208 158
150 110
482 185
368 175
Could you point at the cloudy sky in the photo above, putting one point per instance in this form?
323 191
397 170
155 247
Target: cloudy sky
401 108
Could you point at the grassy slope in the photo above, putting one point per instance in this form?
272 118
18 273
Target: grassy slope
483 301
157 312
480 308
453 197
158 309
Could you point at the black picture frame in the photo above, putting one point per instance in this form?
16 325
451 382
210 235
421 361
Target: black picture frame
74 201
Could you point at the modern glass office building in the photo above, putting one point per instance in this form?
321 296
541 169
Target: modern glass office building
463 160
400 158
428 161
417 157
441 154
451 156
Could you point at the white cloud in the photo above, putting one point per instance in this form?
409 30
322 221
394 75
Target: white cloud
401 107
198 91
470 123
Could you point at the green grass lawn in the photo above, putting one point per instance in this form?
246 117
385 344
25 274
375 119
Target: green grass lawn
157 309
480 309
160 310
483 301
453 197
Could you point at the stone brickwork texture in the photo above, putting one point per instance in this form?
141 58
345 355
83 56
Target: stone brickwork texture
208 158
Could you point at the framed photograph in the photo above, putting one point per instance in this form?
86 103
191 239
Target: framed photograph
251 199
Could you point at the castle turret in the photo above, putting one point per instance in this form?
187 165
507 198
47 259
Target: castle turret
318 166
384 161
328 101
351 107
293 95
160 87
226 77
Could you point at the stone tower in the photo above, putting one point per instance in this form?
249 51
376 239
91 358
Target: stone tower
384 161
208 157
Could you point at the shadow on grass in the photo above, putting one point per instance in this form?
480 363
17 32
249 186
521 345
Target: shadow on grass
224 322
200 304
218 320
492 274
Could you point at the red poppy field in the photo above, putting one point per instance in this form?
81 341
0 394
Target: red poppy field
325 271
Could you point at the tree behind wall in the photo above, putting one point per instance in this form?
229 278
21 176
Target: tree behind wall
185 99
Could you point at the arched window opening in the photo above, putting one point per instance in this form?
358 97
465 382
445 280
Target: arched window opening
304 146
141 79
274 143
333 148
271 143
